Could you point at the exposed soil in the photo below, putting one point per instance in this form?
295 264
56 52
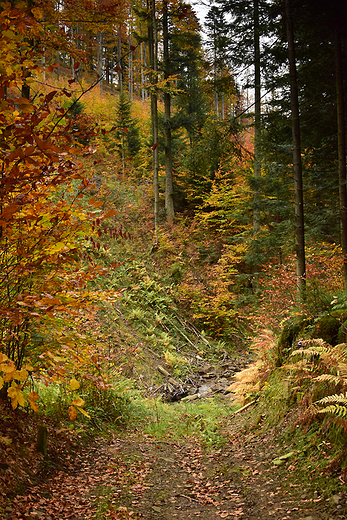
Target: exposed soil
134 476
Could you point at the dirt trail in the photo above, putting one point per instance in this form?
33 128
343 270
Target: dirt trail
237 481
135 476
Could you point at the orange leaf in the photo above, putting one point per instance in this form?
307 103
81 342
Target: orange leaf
78 402
72 413
110 213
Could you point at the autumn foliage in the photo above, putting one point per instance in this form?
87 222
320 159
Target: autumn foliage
43 220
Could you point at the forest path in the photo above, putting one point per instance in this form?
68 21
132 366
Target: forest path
136 476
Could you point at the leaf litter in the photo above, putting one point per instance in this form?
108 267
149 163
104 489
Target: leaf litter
132 475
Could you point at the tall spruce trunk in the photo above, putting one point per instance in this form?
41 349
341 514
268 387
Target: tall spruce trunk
297 165
120 64
169 202
341 136
257 121
152 47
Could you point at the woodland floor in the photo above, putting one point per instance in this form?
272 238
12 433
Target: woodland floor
130 475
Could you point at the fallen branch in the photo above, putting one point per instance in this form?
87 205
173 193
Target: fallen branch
244 407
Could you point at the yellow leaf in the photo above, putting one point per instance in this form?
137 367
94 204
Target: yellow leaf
29 367
83 412
78 402
1 382
7 367
56 247
13 396
20 398
53 356
37 12
74 384
20 375
33 397
8 377
72 413
16 395
3 357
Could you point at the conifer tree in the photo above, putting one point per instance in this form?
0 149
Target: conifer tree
297 166
169 201
218 47
127 131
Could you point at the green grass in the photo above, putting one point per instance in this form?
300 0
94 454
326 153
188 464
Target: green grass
104 496
181 420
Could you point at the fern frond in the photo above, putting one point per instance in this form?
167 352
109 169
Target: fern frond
335 409
337 353
299 365
342 370
317 343
310 352
334 398
330 378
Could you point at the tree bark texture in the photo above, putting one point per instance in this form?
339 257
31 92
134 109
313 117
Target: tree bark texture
99 58
257 121
169 202
152 47
120 64
297 165
341 136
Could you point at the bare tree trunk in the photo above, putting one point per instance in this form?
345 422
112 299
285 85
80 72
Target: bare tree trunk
341 136
169 203
152 46
58 68
257 122
99 57
130 67
222 101
143 60
120 70
44 64
215 75
216 97
297 166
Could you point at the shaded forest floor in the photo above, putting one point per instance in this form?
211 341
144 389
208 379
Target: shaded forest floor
133 475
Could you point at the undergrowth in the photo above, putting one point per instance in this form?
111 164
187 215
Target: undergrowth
173 422
304 400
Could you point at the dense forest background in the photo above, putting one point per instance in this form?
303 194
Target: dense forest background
175 189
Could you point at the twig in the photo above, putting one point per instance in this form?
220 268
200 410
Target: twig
244 407
189 498
185 337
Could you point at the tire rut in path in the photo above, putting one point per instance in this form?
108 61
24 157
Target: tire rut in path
174 480
236 481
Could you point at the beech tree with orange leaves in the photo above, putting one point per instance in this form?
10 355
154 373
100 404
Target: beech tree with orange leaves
42 220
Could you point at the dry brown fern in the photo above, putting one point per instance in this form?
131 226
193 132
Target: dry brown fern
248 382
